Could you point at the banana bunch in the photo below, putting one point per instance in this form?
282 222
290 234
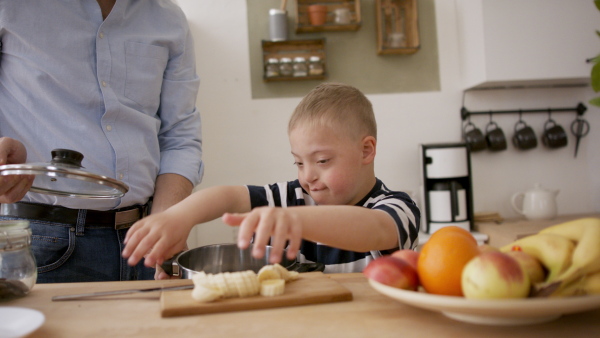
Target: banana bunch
570 252
270 281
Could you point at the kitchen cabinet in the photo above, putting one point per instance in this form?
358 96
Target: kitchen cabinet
514 43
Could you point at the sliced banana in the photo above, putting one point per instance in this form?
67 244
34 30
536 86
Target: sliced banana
204 294
269 272
272 287
270 281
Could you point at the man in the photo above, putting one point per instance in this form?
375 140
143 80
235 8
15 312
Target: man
115 81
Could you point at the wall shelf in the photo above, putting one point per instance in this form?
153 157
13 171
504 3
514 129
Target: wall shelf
397 27
292 49
303 24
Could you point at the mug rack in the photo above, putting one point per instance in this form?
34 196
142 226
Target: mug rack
580 110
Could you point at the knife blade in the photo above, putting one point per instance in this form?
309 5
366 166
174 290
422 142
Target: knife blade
120 292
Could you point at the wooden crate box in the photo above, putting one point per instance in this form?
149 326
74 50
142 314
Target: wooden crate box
303 24
293 49
397 27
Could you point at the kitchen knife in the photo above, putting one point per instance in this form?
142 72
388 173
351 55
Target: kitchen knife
120 292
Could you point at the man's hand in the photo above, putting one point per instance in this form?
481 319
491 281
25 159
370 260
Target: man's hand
13 187
156 238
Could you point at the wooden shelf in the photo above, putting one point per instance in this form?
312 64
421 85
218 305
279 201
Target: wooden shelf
303 24
397 27
292 49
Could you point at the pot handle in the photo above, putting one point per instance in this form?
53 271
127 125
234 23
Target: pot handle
513 202
171 264
306 267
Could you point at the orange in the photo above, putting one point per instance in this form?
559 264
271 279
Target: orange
442 259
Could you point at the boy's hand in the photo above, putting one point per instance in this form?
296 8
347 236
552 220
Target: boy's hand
277 225
156 238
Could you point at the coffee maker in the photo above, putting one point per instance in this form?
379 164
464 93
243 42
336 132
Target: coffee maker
446 190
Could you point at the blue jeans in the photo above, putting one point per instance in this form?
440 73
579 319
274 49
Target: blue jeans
70 253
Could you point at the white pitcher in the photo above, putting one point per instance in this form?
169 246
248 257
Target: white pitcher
537 203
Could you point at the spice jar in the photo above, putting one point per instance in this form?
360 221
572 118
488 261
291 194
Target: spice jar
272 68
285 67
315 66
300 68
18 271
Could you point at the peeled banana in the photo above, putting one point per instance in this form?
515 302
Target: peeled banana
554 251
270 281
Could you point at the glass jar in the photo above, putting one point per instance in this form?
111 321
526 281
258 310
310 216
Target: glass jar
315 66
18 271
300 68
285 67
272 68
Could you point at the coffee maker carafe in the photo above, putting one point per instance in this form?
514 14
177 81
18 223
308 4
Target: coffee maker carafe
446 186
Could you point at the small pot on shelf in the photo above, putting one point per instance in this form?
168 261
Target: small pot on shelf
317 14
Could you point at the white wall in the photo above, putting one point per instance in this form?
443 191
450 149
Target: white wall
245 140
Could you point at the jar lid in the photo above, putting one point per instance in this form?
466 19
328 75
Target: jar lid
64 176
299 59
314 58
14 235
272 60
286 60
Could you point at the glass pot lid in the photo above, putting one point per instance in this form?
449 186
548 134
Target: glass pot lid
64 176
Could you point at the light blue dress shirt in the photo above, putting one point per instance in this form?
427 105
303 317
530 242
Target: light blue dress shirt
121 91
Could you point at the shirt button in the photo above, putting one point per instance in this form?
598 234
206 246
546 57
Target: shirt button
103 84
109 127
120 176
101 35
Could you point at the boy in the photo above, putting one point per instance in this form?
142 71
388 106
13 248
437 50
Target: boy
348 217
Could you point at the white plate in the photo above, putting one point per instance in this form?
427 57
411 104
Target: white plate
19 321
492 312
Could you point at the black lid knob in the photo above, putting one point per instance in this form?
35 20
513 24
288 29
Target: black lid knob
66 156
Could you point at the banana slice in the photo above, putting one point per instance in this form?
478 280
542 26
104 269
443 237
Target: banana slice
252 282
285 274
272 287
231 290
269 272
240 285
204 294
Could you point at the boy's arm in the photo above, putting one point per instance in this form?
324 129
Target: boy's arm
160 236
350 228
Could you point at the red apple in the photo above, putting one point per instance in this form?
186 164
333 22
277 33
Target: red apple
394 272
494 275
410 256
532 266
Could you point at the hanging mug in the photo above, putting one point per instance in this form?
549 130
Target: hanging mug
554 135
474 137
524 137
494 137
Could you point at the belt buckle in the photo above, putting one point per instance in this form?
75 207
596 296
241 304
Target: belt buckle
125 219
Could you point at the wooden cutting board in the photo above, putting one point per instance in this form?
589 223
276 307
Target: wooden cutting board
309 288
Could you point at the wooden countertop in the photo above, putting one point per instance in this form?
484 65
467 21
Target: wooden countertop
510 230
370 314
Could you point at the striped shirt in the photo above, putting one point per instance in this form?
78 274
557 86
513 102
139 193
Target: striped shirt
399 205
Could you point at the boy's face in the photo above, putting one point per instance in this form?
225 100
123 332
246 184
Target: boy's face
331 166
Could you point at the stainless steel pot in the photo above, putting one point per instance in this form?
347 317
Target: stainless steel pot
227 258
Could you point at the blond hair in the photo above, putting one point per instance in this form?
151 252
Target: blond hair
336 106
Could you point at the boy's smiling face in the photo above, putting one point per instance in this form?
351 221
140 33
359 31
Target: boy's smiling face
332 167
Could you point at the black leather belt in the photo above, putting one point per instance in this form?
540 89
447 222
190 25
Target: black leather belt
117 219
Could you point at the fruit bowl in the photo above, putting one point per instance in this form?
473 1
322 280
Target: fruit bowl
522 311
